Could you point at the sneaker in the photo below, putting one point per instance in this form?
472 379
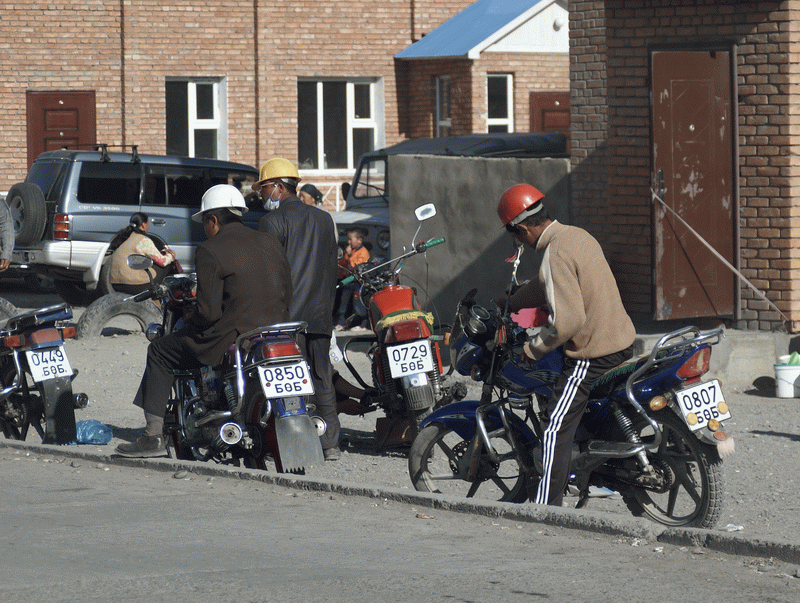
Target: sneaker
332 454
358 328
144 446
338 328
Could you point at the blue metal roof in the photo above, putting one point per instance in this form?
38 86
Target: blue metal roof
457 36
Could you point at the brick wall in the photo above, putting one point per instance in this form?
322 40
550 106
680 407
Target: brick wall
611 151
260 47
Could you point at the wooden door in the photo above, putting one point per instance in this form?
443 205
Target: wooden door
549 112
693 151
60 119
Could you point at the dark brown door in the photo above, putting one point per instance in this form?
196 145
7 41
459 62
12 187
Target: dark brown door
60 119
693 150
549 112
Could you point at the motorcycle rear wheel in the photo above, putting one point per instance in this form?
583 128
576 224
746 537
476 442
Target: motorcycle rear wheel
433 465
15 423
694 488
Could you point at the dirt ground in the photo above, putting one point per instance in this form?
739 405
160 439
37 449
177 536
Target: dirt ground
762 476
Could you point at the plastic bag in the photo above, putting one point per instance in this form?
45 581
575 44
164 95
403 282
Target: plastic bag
90 431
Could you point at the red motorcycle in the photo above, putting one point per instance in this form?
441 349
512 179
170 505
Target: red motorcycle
404 353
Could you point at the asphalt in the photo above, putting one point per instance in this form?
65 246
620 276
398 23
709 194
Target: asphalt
585 520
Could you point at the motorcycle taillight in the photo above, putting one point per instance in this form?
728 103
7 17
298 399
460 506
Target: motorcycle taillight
280 349
696 365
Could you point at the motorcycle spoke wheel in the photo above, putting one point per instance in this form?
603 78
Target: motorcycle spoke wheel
435 464
689 488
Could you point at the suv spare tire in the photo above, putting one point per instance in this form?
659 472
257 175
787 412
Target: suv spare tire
28 212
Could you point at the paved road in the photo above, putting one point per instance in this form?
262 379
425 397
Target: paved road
78 530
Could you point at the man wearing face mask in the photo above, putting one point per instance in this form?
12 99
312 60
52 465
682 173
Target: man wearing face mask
308 236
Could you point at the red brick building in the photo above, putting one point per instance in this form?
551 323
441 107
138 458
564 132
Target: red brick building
702 96
244 80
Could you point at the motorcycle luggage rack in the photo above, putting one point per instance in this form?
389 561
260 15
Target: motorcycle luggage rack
669 346
289 328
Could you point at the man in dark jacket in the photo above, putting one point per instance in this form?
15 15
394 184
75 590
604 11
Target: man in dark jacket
309 237
243 282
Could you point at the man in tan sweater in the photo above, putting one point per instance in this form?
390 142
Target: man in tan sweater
587 317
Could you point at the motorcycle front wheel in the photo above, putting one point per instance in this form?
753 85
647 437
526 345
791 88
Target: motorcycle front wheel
690 487
436 464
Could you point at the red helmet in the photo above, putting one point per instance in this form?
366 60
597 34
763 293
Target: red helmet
519 202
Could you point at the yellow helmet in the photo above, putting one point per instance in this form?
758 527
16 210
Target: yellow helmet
274 169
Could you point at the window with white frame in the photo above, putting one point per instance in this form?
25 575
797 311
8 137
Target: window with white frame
337 122
500 97
443 123
196 117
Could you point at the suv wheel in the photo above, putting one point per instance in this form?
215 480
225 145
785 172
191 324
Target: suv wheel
75 293
28 212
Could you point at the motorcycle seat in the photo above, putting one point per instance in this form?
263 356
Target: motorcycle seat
608 381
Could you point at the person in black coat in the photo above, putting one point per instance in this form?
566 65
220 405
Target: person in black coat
308 236
243 282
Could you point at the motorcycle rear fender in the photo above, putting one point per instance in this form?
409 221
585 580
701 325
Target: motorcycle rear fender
460 417
298 443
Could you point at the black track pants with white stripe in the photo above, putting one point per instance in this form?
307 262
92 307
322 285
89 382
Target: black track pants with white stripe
562 416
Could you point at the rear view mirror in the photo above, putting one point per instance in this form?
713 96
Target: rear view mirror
423 212
139 262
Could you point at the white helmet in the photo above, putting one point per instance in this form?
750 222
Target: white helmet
219 196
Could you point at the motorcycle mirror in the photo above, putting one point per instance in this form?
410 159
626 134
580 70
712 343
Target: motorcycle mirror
423 212
139 262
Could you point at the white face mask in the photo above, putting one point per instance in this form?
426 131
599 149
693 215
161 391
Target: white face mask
271 204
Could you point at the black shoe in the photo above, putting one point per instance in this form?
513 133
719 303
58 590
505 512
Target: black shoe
332 454
144 446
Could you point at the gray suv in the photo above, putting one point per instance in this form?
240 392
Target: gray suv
73 202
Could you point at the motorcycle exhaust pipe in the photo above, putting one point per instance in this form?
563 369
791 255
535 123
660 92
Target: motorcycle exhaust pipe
230 433
81 400
320 425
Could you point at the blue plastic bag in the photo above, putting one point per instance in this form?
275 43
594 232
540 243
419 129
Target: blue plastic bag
90 431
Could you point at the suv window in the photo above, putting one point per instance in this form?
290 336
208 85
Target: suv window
173 185
104 182
48 176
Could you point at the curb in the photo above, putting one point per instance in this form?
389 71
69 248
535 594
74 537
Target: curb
589 521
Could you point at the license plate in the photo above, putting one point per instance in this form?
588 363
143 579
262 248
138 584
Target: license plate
702 402
410 358
286 380
49 363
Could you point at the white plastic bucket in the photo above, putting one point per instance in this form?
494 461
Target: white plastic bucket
787 379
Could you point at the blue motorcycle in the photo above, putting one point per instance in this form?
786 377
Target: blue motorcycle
652 431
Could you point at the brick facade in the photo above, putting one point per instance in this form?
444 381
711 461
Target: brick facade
125 50
609 60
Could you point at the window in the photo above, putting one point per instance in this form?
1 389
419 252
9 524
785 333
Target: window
338 121
103 183
500 95
195 113
443 105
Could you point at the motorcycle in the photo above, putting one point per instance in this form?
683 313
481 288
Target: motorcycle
36 377
404 353
652 430
252 409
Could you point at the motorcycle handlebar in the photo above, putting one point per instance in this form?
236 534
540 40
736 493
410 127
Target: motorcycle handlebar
146 294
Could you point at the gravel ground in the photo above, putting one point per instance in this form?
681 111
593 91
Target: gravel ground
762 476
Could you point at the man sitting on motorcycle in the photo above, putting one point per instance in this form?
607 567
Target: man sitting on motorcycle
243 282
586 316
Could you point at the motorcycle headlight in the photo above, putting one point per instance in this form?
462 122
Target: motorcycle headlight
154 331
